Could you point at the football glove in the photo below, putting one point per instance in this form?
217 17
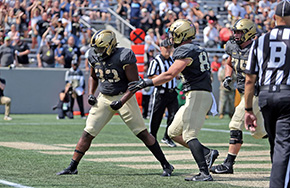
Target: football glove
116 105
92 100
140 84
226 83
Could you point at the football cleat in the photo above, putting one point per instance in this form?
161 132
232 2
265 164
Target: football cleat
200 177
7 118
167 170
169 142
222 169
67 171
211 157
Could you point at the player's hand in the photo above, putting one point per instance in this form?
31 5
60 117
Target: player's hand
116 105
250 121
140 84
226 83
92 100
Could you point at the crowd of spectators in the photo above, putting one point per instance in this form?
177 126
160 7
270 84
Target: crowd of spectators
60 20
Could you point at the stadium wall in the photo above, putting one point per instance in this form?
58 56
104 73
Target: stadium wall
36 91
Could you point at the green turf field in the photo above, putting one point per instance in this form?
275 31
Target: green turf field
35 147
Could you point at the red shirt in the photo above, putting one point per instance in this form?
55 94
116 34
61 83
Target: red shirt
215 66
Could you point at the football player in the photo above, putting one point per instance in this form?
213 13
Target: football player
238 50
112 69
192 61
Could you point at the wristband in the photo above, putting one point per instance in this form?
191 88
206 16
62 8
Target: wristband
249 109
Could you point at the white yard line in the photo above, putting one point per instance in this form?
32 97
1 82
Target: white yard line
4 182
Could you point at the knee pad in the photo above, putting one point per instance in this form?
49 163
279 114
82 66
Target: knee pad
236 137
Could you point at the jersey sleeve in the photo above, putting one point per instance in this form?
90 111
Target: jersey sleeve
152 68
252 66
228 48
127 57
181 52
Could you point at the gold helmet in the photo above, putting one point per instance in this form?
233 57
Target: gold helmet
247 27
181 30
104 43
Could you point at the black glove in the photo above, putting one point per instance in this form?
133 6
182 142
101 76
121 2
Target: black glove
92 100
226 83
140 84
116 105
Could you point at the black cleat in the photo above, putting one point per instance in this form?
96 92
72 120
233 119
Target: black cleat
211 157
200 177
167 170
67 171
169 142
222 169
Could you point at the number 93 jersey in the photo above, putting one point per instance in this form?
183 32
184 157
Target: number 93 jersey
239 61
197 73
111 70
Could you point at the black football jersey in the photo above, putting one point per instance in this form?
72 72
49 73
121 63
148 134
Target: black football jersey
111 70
239 61
197 74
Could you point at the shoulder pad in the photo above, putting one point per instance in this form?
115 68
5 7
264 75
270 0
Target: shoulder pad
127 56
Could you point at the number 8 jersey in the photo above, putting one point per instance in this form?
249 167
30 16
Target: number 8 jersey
197 73
111 71
239 61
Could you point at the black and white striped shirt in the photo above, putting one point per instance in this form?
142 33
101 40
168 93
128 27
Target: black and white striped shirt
270 57
159 65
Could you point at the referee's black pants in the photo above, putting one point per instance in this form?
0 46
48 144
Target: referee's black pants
161 101
275 108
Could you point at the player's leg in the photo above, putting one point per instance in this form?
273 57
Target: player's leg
99 115
131 115
236 140
195 109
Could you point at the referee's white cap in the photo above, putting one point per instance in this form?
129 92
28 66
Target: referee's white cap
283 8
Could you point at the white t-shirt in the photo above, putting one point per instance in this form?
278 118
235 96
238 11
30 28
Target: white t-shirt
236 10
212 35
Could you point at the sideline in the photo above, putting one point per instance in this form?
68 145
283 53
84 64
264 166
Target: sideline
13 184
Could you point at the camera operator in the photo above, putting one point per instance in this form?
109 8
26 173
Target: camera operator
64 105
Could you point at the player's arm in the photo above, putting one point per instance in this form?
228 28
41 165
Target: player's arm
131 72
92 86
172 72
250 118
228 74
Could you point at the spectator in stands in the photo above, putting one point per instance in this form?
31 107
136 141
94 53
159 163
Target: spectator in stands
33 5
122 10
215 64
185 8
150 39
169 18
57 55
9 20
69 52
13 33
6 53
135 13
76 28
34 19
55 8
64 107
194 19
264 4
64 7
225 34
104 13
210 35
78 10
164 7
259 24
21 17
21 52
75 77
45 55
251 8
226 97
148 4
2 35
42 25
5 100
146 20
176 7
235 11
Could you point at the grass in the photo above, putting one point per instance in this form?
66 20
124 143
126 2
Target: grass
36 166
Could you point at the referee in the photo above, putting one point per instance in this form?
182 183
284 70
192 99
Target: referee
164 96
269 61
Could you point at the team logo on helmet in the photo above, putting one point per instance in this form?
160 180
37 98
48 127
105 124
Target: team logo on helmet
247 27
104 43
181 30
